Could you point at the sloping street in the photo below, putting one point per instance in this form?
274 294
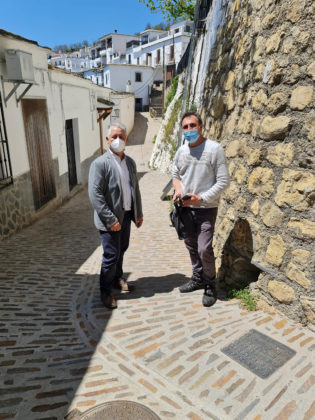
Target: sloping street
62 351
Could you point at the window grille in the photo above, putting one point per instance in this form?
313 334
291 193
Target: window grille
5 162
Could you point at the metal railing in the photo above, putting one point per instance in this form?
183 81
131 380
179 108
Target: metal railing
6 177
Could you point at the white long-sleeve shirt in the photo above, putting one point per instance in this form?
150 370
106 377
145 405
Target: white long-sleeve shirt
124 180
202 170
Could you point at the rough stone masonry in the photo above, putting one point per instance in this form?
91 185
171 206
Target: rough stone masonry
259 104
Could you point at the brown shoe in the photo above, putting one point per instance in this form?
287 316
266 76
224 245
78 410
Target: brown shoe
108 301
122 285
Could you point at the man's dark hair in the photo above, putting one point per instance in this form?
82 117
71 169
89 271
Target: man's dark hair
189 114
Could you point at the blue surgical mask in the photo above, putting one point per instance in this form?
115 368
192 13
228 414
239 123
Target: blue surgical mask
191 136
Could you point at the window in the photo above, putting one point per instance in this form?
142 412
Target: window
158 56
176 31
129 59
187 28
172 53
138 77
138 61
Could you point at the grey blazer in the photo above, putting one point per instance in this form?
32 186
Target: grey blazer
106 194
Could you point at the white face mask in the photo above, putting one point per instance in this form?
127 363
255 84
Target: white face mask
117 145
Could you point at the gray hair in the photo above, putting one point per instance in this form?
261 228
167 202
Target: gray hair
117 124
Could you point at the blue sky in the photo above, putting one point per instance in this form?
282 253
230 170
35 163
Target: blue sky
55 22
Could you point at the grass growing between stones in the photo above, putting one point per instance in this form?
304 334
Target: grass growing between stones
247 300
170 127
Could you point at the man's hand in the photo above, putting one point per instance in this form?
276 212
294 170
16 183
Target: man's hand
177 196
139 222
194 200
115 227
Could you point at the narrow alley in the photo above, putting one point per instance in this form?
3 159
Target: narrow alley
62 351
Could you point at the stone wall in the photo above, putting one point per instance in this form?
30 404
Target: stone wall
258 102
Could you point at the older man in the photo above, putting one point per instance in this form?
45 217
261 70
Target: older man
115 195
200 173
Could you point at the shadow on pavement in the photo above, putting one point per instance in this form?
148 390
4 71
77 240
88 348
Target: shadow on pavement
149 286
139 132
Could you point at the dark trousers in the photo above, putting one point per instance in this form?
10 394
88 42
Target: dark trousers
199 245
115 244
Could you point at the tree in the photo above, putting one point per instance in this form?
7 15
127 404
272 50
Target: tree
172 9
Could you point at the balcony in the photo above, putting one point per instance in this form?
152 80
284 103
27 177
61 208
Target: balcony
133 43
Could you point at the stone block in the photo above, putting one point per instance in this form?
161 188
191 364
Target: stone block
260 101
289 45
242 99
258 72
295 189
301 97
230 124
224 228
217 108
274 128
293 74
281 155
311 70
241 204
309 127
260 46
295 10
295 274
245 122
256 128
273 43
255 207
300 256
232 192
303 228
261 182
308 305
230 102
275 250
254 157
277 103
229 82
271 215
240 174
281 291
269 19
231 168
232 149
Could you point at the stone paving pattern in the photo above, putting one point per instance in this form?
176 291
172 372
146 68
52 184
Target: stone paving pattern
61 350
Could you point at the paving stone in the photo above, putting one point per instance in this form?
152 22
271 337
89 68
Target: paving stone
61 350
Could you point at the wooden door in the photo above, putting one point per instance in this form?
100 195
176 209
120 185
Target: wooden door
39 150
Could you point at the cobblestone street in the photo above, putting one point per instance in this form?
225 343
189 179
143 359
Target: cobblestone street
61 350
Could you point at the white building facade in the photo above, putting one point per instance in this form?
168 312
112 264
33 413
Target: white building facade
50 133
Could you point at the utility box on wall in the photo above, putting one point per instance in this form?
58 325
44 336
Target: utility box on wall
19 66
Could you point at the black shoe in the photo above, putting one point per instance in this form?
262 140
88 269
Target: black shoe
209 297
191 285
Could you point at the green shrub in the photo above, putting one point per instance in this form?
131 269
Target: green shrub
247 300
172 92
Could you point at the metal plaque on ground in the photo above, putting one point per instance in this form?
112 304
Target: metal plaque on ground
259 353
119 410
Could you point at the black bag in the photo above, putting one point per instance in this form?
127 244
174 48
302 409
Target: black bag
182 220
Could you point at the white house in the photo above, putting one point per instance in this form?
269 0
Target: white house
72 62
52 126
109 47
132 78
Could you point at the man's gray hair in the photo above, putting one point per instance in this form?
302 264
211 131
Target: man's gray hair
117 124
